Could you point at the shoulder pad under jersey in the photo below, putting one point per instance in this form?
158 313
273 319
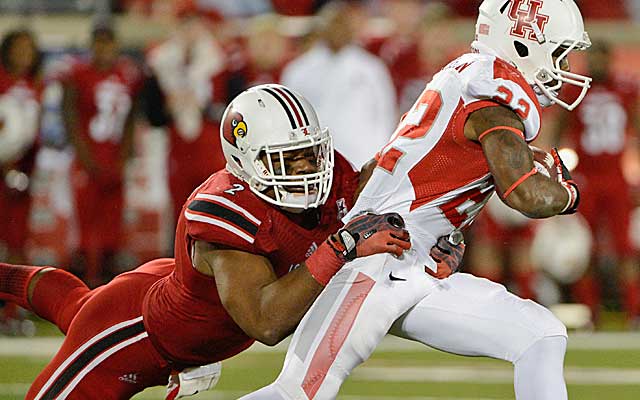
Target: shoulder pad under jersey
223 210
488 80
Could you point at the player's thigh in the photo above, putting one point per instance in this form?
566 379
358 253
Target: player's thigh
107 352
114 366
347 321
474 316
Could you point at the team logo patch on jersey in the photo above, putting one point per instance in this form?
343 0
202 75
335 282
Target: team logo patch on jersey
525 14
234 127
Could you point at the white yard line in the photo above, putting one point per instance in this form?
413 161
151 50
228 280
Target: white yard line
47 346
573 375
427 374
224 395
158 393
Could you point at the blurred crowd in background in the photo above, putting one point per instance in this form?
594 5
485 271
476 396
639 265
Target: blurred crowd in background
101 144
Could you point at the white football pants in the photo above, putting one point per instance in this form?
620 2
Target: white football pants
462 314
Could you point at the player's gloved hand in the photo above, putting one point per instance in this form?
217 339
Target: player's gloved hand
365 235
370 234
564 178
448 257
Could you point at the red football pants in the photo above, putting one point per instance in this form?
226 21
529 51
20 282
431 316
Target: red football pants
107 353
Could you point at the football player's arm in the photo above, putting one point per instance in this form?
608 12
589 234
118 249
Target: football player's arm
266 308
72 126
511 164
269 308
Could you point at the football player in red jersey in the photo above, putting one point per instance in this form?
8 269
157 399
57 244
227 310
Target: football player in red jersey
600 130
255 245
465 138
20 92
98 116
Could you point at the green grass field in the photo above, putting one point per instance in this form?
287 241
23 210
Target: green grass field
600 368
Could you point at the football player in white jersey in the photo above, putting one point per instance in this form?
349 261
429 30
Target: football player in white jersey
465 138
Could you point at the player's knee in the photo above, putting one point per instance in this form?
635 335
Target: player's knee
544 353
553 327
35 279
544 321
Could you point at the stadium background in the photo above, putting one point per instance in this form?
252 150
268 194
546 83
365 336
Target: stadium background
600 362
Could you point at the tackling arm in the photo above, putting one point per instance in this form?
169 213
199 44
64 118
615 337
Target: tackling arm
265 307
510 160
269 308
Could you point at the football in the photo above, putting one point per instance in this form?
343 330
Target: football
543 162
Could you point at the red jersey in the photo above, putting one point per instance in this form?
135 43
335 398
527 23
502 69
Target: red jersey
104 101
601 126
183 312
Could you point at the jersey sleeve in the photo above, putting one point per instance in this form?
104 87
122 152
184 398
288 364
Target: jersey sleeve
492 81
217 218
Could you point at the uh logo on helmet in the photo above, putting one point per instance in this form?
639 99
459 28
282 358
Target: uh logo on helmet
234 127
526 13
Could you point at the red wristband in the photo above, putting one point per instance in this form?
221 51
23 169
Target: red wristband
324 263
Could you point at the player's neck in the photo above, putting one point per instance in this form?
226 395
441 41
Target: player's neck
308 219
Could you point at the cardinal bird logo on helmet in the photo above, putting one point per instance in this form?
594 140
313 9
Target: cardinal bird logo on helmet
234 127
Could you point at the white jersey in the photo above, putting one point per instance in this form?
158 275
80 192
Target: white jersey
429 172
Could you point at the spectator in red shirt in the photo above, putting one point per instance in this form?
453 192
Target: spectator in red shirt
98 114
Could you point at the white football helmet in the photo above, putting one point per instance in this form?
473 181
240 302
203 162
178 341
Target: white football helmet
263 123
536 36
